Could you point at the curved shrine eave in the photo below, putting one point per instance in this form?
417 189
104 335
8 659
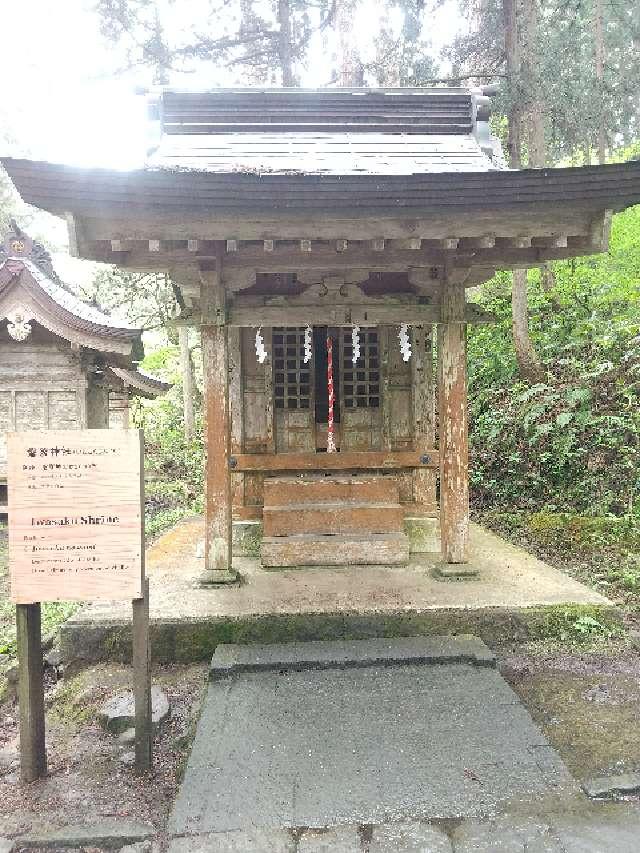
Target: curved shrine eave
168 219
23 296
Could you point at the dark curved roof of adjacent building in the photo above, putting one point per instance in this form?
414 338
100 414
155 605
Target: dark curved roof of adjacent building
26 264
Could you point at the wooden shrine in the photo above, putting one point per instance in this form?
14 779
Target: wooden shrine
291 219
63 364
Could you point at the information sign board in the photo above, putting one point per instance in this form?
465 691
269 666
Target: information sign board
75 515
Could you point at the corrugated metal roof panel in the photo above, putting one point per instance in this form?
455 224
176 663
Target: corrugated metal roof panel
330 110
322 154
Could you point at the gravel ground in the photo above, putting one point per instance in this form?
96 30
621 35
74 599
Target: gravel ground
88 775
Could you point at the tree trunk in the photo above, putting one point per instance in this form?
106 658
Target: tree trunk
528 362
284 43
512 53
186 368
598 41
535 123
348 65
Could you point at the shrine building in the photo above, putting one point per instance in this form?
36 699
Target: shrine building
323 241
64 364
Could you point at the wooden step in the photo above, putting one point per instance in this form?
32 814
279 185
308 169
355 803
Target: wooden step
297 491
375 549
333 518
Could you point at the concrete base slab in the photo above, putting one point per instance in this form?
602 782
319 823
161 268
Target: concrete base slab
455 571
208 578
509 599
300 747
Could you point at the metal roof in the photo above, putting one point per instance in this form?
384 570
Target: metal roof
249 110
299 153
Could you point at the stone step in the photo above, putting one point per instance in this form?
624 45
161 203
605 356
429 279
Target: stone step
374 549
333 518
297 491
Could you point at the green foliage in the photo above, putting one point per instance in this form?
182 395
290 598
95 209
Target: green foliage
174 467
571 442
575 105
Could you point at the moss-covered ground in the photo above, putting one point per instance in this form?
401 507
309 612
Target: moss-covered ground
600 551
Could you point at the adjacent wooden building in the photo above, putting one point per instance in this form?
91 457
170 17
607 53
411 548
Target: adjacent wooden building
301 225
63 364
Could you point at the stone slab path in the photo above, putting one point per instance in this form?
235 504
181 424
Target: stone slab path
376 746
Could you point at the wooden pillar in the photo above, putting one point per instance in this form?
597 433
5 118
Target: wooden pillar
97 404
142 681
218 445
33 756
454 441
424 480
187 382
215 355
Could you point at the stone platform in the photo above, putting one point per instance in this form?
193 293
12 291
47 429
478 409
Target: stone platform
514 597
378 746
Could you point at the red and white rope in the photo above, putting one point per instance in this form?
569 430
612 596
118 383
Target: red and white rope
331 444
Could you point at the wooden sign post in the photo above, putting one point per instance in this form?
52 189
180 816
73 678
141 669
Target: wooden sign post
76 533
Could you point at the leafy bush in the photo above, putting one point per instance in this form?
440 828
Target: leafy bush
174 467
572 441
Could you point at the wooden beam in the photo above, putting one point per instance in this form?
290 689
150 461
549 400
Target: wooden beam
327 261
449 243
485 241
347 461
600 231
536 219
33 756
250 314
454 446
213 297
332 315
554 241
